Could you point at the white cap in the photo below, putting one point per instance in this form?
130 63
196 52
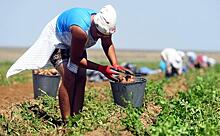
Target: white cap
211 61
191 55
105 20
181 53
177 62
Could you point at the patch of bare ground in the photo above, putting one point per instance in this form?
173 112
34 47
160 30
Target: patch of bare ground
155 77
150 114
114 121
11 54
101 87
11 95
175 85
98 132
103 132
17 93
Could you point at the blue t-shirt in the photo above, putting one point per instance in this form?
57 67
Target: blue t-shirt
163 66
75 16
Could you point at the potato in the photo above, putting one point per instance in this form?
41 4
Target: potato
126 79
53 71
49 72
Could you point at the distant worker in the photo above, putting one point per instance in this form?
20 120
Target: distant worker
171 62
183 56
63 42
192 56
201 61
211 62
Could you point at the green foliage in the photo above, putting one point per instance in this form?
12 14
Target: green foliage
132 121
20 78
153 65
154 92
193 112
33 117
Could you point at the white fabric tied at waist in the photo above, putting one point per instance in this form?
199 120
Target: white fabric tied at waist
39 53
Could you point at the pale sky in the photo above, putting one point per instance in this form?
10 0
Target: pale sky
143 24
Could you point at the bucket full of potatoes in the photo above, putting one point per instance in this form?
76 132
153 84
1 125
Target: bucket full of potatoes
45 82
128 89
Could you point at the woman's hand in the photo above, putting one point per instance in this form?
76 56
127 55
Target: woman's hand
108 72
122 69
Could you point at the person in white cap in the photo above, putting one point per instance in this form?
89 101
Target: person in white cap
192 56
184 61
211 62
201 61
181 53
63 42
171 62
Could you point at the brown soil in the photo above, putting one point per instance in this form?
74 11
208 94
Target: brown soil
13 94
150 114
11 54
176 85
98 132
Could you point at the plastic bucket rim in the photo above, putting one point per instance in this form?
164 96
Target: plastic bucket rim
47 75
142 81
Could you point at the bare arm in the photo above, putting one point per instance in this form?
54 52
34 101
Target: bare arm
109 49
79 38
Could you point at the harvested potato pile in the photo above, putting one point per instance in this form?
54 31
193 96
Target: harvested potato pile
48 72
126 79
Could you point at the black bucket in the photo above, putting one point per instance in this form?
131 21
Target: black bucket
45 84
124 93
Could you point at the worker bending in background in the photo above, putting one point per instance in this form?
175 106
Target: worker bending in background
171 62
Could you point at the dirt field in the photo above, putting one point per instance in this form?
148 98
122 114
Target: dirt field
20 92
11 95
11 54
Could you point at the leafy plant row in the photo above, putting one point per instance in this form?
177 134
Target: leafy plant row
193 113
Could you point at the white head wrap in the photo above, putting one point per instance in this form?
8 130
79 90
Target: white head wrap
105 20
